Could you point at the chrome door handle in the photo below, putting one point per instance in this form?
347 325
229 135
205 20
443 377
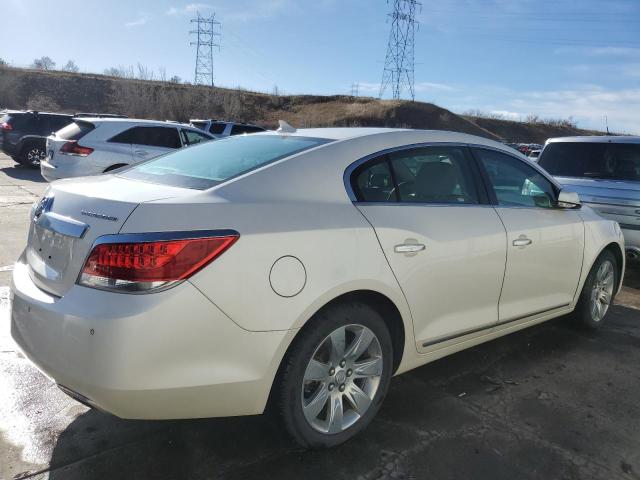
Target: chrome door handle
522 242
409 248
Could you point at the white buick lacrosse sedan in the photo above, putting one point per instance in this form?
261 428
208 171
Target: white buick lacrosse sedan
300 269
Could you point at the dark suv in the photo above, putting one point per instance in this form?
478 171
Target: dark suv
23 135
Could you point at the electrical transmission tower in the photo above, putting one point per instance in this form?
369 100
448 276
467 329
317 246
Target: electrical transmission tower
207 38
355 89
398 65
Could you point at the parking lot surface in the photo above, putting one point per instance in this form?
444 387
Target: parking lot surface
551 401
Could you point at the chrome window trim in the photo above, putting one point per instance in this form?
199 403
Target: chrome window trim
346 178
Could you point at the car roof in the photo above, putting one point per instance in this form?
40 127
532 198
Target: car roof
133 121
597 139
344 133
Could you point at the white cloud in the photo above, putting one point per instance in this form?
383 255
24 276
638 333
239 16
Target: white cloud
140 21
189 9
608 51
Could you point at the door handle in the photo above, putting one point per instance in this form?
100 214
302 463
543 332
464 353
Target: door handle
409 248
522 242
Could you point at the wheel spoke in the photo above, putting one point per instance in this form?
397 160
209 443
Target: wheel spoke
317 371
358 399
317 403
371 367
360 344
335 414
337 340
606 297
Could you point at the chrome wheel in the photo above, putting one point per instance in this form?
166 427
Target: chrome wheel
35 156
602 290
341 379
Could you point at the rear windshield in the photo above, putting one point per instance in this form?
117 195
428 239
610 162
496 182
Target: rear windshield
75 130
612 161
204 166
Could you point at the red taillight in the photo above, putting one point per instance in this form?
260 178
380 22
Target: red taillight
149 265
73 148
5 126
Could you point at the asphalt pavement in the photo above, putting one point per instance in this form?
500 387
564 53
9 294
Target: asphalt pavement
551 401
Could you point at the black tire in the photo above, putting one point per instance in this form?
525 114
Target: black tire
289 394
31 154
114 167
584 314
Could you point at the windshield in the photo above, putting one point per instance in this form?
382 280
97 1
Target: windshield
211 163
611 161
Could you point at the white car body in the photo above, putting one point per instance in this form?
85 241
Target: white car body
212 345
99 151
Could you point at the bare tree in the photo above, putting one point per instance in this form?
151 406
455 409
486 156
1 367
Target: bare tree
144 72
71 66
175 79
3 63
162 73
43 63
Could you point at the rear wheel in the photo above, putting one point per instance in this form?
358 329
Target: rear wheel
32 154
598 292
335 377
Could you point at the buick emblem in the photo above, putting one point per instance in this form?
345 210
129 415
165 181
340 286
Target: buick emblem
44 205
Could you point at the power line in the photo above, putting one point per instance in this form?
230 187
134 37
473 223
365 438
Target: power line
398 71
207 37
355 89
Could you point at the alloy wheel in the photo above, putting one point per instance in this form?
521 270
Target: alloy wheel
341 379
602 290
35 156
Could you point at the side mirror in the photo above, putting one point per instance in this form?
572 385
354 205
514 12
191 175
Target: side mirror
567 199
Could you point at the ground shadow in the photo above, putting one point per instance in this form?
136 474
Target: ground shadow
20 172
99 446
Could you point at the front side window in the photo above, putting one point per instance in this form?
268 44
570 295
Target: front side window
439 175
191 137
516 184
211 163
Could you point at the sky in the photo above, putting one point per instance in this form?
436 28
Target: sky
551 58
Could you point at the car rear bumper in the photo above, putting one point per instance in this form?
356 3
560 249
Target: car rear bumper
171 354
67 167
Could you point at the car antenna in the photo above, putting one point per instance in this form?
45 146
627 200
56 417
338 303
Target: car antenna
285 127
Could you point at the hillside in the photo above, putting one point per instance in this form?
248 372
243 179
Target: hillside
74 92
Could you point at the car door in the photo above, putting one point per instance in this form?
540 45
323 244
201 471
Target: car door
545 243
445 244
150 142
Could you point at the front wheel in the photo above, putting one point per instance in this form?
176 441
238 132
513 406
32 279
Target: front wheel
598 292
335 377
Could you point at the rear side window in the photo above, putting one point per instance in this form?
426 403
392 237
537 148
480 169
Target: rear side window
438 175
217 128
56 123
75 130
166 137
614 161
211 163
18 122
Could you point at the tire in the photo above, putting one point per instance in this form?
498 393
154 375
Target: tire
598 292
31 154
315 374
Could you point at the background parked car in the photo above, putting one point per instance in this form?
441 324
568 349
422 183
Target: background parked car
90 146
221 129
23 134
605 171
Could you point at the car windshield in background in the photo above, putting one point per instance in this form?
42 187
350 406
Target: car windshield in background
611 161
209 164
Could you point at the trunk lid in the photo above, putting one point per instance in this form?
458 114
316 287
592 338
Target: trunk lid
72 215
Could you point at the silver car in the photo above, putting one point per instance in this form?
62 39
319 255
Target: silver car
605 171
91 146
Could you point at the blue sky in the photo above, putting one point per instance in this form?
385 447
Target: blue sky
553 58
